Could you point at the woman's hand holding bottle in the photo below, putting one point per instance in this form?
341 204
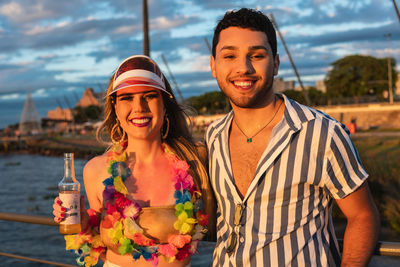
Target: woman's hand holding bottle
59 212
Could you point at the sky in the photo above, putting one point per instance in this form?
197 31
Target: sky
56 49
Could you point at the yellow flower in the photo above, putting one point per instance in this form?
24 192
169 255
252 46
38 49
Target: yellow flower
75 241
121 157
115 233
97 242
119 185
131 228
90 261
184 224
169 259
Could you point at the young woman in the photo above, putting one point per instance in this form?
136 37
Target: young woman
149 194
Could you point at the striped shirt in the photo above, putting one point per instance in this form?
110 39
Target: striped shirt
309 161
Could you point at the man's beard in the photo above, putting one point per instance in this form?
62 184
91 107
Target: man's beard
260 99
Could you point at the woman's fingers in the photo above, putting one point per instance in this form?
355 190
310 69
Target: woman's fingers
58 217
58 210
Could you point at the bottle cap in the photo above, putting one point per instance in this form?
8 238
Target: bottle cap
68 155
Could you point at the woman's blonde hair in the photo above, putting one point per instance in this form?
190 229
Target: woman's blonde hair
179 139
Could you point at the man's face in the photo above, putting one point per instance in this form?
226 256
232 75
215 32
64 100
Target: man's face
244 66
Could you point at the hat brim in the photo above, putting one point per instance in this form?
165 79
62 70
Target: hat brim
128 85
138 77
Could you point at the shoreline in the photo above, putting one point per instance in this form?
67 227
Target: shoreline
82 148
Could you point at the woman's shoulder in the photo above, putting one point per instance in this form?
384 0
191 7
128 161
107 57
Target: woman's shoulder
95 166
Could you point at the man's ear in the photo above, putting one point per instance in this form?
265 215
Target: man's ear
276 64
212 66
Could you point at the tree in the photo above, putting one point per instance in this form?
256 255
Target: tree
358 75
90 113
209 103
317 98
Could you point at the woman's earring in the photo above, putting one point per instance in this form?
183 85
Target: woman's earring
116 128
164 136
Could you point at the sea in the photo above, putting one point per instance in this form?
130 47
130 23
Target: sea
28 185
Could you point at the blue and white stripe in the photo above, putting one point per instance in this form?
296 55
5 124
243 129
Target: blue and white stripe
309 161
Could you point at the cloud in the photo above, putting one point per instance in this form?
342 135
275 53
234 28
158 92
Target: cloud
52 42
24 12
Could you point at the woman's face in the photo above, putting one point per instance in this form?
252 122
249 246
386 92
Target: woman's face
140 111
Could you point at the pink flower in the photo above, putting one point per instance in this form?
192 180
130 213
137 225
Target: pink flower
179 240
167 250
110 208
141 240
183 180
108 221
121 201
184 252
132 211
181 164
153 259
202 218
93 218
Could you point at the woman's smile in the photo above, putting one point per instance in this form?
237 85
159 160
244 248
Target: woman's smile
141 121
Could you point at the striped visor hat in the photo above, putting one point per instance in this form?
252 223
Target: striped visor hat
138 70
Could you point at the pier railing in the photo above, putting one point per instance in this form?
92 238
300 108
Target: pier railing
34 219
382 248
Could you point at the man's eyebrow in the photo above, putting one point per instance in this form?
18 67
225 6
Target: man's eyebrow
251 48
257 47
228 47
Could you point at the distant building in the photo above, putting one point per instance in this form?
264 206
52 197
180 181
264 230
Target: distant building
90 98
397 86
62 120
320 86
29 122
280 85
60 114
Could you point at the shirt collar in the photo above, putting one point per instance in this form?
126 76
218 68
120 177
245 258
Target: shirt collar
294 116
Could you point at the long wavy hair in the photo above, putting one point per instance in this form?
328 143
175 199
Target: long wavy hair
179 139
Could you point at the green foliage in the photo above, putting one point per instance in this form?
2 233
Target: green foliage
90 113
358 75
210 103
380 159
316 97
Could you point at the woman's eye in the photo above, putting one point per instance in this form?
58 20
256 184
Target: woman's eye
125 98
150 96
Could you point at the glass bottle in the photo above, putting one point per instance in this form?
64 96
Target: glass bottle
69 194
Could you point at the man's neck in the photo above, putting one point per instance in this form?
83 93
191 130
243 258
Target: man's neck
252 118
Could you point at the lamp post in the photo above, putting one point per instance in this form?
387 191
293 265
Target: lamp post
390 91
146 42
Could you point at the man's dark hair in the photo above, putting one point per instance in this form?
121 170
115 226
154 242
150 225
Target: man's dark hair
247 19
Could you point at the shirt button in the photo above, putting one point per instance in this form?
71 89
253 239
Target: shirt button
241 239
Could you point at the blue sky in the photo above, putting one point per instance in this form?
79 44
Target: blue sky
56 49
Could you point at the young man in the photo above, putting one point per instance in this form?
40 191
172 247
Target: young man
276 166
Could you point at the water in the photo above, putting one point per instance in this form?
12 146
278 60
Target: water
28 185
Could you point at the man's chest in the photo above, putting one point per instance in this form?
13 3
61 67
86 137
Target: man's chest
244 160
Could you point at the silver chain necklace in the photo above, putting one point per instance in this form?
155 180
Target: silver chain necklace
250 139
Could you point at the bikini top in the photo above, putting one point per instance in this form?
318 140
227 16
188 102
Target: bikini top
157 223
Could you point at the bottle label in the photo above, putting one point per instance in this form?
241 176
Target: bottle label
71 201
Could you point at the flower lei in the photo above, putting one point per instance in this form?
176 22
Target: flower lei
120 213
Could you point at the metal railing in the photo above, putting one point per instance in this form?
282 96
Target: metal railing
382 248
34 219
